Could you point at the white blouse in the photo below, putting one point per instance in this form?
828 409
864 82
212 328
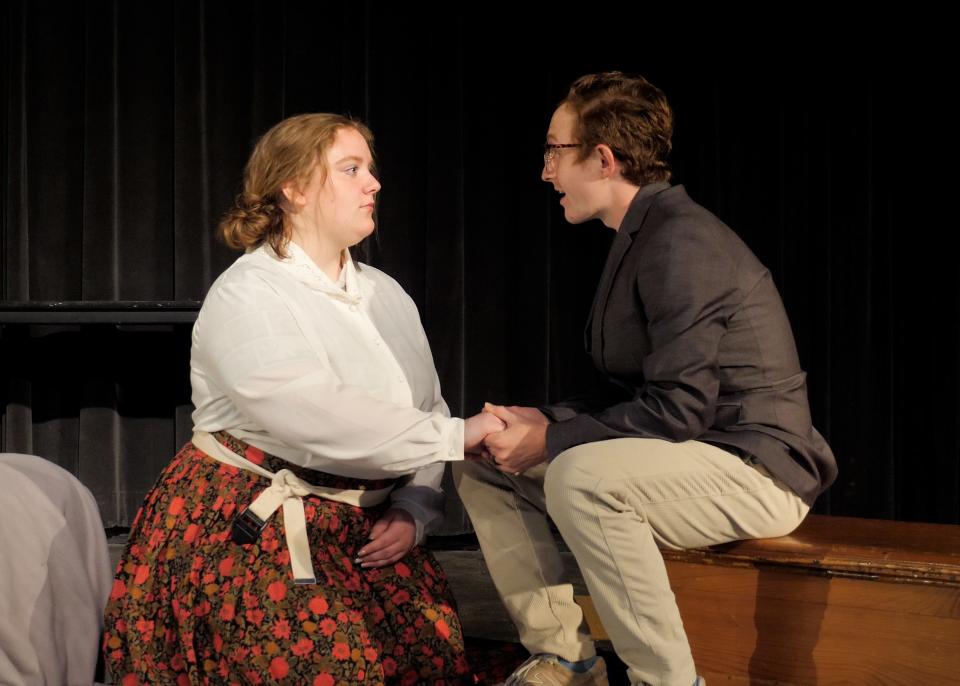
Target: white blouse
333 377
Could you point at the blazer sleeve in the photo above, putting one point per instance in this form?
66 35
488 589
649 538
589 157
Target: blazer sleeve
602 393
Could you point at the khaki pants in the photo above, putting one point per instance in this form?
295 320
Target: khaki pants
615 503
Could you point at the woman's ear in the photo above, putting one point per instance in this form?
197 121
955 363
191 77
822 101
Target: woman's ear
293 194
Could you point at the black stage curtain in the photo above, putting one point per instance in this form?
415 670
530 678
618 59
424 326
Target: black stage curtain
826 144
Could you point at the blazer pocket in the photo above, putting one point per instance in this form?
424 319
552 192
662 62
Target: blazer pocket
726 415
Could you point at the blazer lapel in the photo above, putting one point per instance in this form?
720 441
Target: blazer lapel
632 222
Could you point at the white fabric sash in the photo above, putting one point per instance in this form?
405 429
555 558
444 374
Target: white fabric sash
286 489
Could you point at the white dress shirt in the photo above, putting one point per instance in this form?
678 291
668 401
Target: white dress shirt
334 377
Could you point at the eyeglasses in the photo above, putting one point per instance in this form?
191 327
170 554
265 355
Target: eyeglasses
550 151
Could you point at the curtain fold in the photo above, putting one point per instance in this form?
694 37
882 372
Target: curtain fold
125 128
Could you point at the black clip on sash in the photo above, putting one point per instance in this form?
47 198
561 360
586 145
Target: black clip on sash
246 527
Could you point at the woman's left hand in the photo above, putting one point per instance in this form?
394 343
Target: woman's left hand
392 537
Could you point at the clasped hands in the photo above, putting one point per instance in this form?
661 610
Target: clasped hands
511 439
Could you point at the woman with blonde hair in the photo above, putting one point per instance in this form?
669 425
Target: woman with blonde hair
280 544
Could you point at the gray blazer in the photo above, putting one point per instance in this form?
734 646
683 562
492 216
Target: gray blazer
691 337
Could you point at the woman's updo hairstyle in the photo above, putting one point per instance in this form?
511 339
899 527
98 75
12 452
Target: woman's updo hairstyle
288 151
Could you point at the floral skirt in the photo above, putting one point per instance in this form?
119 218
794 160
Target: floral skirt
191 606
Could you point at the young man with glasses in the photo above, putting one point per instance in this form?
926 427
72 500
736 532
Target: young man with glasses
701 435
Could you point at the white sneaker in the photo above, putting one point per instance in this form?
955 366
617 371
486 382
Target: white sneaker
545 670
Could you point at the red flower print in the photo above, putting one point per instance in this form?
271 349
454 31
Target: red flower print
303 647
143 573
277 591
255 455
327 627
180 612
145 627
259 628
229 469
119 589
281 629
443 631
279 668
191 533
155 539
130 680
318 605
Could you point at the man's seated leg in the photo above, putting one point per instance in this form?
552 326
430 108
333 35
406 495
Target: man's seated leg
509 516
616 501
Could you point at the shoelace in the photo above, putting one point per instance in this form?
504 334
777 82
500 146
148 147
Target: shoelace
524 669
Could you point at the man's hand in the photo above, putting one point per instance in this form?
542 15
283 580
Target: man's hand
523 444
